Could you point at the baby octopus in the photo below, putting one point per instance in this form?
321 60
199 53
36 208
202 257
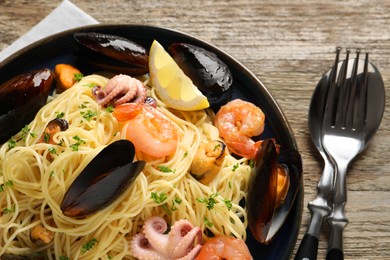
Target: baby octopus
119 90
182 242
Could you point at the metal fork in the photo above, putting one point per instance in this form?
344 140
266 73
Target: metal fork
343 131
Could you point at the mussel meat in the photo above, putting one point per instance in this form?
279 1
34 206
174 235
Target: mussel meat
54 126
208 161
103 180
113 53
267 204
21 98
210 74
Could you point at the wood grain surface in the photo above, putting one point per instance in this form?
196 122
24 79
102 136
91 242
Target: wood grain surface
288 45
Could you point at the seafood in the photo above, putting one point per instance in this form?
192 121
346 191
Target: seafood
103 180
66 76
150 131
223 247
41 234
211 75
113 53
54 126
121 89
237 122
21 98
182 242
272 190
208 161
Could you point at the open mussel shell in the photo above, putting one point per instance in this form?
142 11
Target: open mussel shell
210 74
103 180
21 98
265 216
112 53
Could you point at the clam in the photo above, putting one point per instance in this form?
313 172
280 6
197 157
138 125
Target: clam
210 74
113 53
103 180
272 190
21 98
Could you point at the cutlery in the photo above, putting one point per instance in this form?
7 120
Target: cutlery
320 206
344 134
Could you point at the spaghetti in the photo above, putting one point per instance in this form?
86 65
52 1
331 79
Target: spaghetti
36 175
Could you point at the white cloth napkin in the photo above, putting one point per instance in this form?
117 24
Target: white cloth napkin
66 16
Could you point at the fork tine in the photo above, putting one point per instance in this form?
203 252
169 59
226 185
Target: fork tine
352 95
343 94
361 100
331 93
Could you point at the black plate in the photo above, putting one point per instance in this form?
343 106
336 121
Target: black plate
58 49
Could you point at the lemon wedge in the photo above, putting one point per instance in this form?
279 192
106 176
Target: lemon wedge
173 87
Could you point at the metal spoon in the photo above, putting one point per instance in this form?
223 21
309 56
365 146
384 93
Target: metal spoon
320 207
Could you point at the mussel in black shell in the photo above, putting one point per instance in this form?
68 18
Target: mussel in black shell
21 98
112 53
103 180
210 74
272 190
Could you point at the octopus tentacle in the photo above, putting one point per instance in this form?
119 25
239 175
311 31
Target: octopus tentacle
141 249
192 254
121 89
187 243
136 95
154 229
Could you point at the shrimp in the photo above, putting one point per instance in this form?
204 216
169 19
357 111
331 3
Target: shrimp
237 122
148 129
223 247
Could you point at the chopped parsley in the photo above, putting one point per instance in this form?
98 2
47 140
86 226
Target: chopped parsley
46 137
64 257
207 222
89 245
9 210
78 76
60 114
209 202
161 198
158 198
79 141
88 115
252 163
11 143
235 167
216 147
83 106
228 204
110 109
9 183
25 132
164 168
185 154
52 150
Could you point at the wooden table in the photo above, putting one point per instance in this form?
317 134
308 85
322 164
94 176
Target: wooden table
288 45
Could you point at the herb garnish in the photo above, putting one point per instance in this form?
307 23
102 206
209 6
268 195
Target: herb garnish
110 109
210 202
164 168
11 143
207 222
78 76
89 245
88 115
75 146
